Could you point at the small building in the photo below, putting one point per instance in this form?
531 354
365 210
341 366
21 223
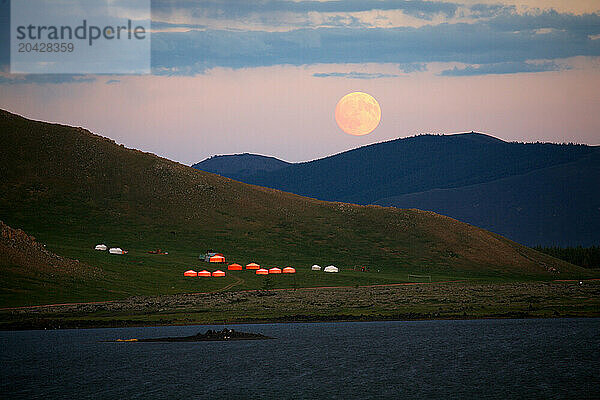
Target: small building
331 268
204 274
316 267
190 272
117 250
217 258
218 273
234 267
262 271
101 247
289 270
274 270
206 257
252 266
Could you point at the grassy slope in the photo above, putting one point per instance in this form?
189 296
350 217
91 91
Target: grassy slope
72 190
533 193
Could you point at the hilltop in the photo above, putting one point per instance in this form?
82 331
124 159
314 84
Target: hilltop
240 166
434 172
73 189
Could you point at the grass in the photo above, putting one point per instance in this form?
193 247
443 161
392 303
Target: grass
72 190
141 274
463 300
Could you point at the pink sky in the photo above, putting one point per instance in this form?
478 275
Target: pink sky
265 77
286 112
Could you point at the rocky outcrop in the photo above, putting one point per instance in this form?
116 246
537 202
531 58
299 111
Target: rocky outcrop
208 336
21 251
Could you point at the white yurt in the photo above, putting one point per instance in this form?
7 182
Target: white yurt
101 247
331 268
116 250
316 267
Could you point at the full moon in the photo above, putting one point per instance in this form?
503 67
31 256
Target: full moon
357 113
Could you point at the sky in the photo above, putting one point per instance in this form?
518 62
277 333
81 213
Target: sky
234 76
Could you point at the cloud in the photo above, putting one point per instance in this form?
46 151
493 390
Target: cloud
407 68
345 21
490 10
353 75
485 42
585 24
42 79
502 68
503 36
162 25
4 33
241 8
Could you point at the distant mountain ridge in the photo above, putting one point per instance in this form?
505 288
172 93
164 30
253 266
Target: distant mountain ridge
556 205
394 172
240 166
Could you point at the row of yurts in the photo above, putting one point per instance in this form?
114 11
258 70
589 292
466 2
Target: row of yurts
252 266
219 258
112 250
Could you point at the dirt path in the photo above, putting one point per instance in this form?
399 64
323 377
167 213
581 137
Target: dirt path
238 281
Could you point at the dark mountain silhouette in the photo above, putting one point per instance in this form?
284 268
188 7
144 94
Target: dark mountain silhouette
385 173
240 166
555 205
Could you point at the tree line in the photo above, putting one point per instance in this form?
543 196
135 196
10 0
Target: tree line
587 257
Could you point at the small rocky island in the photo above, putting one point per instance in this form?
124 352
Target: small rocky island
209 336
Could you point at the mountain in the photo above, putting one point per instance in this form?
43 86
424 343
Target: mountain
556 205
387 173
240 166
73 189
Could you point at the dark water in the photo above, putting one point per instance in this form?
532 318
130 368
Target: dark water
542 359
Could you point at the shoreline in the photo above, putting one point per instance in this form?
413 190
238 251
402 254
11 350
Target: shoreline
387 285
105 302
454 301
85 324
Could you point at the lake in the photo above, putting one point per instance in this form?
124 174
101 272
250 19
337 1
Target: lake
484 359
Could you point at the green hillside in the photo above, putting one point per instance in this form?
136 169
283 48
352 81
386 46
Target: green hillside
72 189
532 193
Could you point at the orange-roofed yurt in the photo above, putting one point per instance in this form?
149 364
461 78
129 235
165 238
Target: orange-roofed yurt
190 272
234 267
204 273
289 270
252 266
218 273
217 258
275 270
262 271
